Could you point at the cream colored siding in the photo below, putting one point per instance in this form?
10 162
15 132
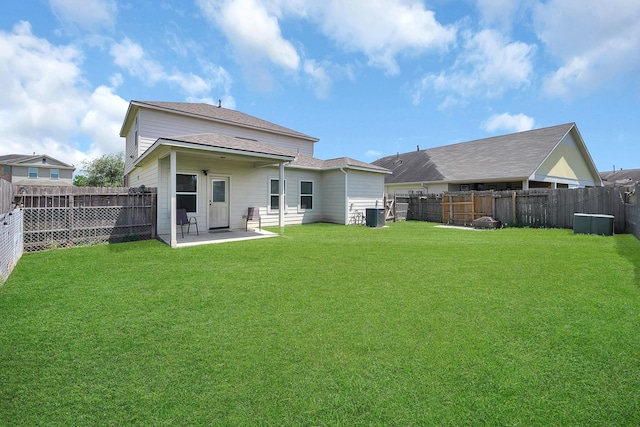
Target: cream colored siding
157 124
248 187
365 190
566 164
146 175
334 199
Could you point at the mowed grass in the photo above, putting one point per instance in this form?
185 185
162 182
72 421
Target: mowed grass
328 325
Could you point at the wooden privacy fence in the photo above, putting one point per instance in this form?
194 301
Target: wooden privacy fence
76 216
523 208
633 211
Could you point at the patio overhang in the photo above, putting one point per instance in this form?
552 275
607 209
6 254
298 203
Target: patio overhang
212 145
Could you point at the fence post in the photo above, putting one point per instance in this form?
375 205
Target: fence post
70 208
513 207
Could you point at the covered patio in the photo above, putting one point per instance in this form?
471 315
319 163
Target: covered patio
215 236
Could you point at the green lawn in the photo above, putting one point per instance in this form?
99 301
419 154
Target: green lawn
328 325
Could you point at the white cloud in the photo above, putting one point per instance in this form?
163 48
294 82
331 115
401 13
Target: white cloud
318 77
253 32
380 29
488 66
508 122
498 13
131 57
47 106
383 29
86 14
102 121
596 42
373 154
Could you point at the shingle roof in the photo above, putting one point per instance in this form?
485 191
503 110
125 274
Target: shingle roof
621 177
340 162
232 143
11 159
225 115
516 155
252 146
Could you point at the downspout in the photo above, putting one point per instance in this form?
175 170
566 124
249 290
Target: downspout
172 195
346 195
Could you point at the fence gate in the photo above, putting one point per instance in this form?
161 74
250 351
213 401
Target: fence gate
463 208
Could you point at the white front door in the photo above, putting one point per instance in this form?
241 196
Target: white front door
219 203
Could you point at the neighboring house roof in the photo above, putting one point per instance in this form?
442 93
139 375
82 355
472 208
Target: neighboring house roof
621 177
512 156
23 159
213 113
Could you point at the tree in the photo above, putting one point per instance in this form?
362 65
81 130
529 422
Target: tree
106 171
80 181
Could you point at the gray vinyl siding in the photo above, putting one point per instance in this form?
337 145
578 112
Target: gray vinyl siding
20 174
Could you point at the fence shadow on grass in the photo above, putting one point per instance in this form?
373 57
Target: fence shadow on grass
629 248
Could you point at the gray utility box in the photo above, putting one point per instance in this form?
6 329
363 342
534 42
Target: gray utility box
593 224
375 217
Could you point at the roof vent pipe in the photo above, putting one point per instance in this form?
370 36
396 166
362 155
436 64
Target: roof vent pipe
417 148
219 103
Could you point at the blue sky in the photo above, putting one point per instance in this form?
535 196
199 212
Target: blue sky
369 78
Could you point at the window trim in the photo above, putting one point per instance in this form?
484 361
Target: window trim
188 193
57 175
270 195
301 195
29 172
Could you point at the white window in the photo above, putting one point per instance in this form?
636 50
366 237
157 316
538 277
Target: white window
274 194
33 172
306 195
54 174
187 192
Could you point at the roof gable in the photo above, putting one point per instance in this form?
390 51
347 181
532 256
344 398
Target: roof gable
212 113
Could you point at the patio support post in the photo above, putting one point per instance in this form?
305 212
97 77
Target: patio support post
281 202
172 196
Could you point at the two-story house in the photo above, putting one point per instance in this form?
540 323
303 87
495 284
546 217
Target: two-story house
216 163
40 170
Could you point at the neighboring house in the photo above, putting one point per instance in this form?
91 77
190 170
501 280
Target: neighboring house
552 157
622 177
42 170
216 163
